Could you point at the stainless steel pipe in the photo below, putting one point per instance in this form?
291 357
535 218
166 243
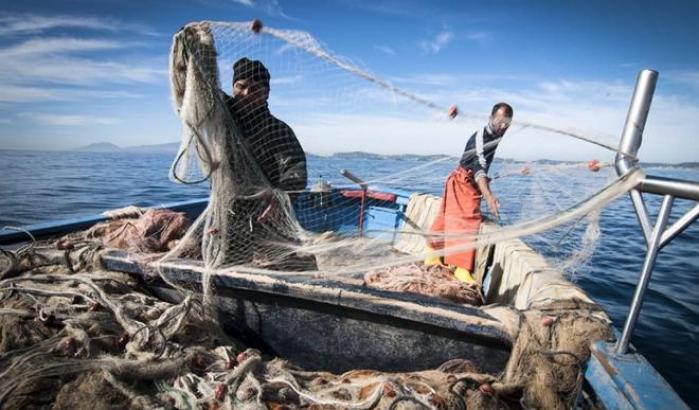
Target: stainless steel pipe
632 135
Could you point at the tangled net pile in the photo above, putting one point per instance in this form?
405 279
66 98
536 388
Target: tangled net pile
253 224
96 339
83 336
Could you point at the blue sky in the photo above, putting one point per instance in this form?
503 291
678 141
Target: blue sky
77 72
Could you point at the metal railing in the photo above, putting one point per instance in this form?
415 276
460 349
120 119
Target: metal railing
656 235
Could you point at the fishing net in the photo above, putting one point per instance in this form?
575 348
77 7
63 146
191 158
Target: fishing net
97 338
259 215
74 333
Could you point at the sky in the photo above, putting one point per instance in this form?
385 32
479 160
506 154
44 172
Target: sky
78 72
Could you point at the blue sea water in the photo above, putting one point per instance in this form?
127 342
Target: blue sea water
46 186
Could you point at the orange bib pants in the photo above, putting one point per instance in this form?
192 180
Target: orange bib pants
459 215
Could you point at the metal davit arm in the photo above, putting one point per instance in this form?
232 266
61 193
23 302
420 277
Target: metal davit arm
656 236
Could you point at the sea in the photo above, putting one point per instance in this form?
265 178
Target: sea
38 187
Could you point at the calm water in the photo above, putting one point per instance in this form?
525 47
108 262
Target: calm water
44 186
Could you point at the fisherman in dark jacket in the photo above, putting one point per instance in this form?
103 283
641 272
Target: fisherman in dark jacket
271 141
260 237
460 214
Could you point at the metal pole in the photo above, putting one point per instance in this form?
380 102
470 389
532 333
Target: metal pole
679 226
675 187
632 136
641 213
653 248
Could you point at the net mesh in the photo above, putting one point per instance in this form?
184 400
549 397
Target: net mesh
69 336
259 216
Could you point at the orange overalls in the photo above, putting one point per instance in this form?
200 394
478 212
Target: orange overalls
459 215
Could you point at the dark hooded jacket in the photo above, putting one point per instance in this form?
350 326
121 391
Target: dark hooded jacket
273 145
271 141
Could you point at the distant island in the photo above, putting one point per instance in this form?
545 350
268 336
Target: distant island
100 147
172 147
353 155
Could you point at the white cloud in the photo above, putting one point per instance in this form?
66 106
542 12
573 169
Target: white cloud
479 36
685 77
67 120
384 123
52 46
13 25
271 7
385 49
10 93
77 71
436 44
292 79
328 133
50 60
13 93
427 79
31 69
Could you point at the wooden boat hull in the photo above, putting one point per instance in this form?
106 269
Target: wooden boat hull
338 325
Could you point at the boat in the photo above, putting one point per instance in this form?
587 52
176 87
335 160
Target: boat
338 324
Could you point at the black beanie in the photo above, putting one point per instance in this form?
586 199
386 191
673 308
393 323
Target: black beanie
244 69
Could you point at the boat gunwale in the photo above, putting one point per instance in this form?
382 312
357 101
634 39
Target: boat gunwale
469 320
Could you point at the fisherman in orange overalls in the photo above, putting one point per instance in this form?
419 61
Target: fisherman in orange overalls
460 210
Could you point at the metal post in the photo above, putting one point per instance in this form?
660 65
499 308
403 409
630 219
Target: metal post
653 248
626 160
679 226
362 204
632 136
641 213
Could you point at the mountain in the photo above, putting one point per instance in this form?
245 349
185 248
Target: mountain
353 155
691 165
358 155
100 147
170 147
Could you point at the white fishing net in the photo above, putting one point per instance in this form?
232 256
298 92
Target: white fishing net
73 336
260 216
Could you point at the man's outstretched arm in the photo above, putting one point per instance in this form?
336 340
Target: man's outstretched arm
490 199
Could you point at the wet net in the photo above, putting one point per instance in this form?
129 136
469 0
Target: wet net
312 175
227 78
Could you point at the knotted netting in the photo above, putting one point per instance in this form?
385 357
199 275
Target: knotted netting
304 113
299 112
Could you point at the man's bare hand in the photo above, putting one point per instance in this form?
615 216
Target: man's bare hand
266 197
493 205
